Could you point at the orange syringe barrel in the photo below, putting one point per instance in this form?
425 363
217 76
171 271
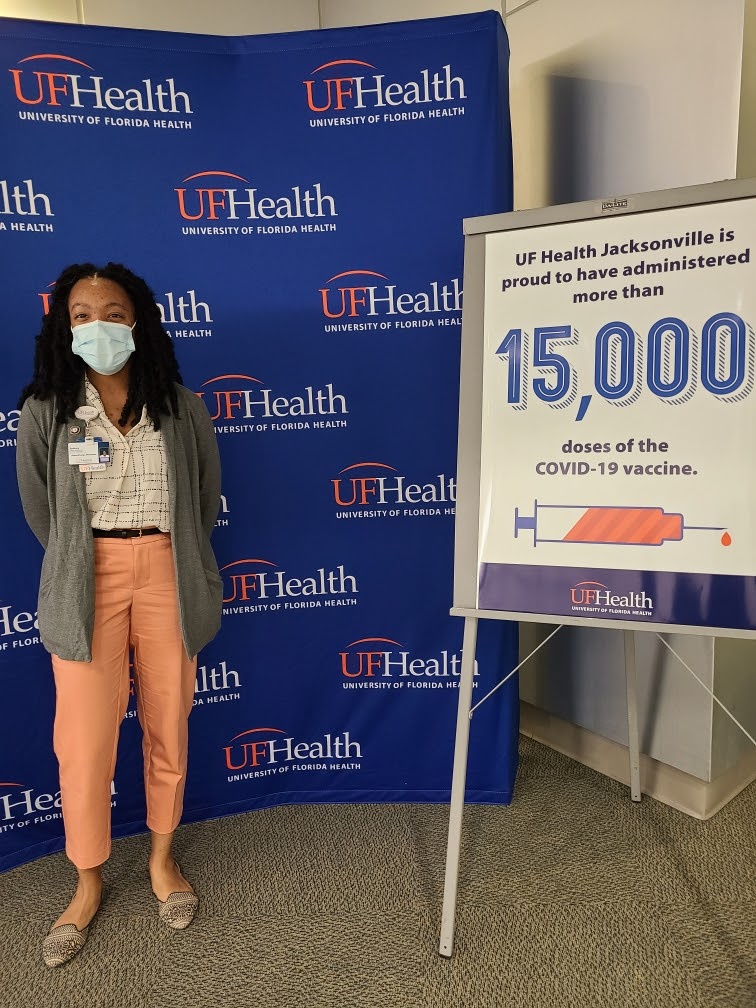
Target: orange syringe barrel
630 526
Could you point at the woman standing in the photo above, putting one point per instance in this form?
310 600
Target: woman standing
119 478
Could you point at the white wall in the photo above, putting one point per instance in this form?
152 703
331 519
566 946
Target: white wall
610 97
747 133
339 13
221 17
237 17
40 10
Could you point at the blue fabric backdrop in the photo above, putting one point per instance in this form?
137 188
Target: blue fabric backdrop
295 202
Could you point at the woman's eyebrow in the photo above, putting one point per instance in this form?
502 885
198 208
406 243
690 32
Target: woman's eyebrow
110 304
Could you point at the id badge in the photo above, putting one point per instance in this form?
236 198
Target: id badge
83 452
93 454
103 452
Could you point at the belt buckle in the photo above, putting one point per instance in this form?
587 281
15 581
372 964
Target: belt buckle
139 535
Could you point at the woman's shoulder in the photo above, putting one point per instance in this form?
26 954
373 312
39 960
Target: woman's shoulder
192 404
191 399
40 409
183 392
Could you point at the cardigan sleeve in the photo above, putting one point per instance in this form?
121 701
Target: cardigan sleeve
209 464
31 470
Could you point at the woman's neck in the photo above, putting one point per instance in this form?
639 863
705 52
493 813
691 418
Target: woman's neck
110 386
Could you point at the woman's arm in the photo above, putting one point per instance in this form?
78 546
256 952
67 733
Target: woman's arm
31 470
209 465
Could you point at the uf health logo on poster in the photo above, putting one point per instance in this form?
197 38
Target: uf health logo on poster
9 427
25 207
212 203
379 490
22 806
215 684
243 404
382 663
185 315
258 585
18 628
58 89
354 92
594 598
262 752
363 300
223 520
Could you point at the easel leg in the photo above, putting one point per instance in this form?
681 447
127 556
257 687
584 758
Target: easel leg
632 715
459 775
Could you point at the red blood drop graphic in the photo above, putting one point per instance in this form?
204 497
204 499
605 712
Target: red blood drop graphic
726 539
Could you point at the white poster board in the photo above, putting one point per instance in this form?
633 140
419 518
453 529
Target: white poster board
608 415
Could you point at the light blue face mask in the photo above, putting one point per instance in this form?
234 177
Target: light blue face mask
103 346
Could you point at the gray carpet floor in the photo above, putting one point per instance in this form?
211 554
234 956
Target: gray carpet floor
573 897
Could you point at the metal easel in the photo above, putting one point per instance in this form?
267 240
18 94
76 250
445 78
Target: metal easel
459 772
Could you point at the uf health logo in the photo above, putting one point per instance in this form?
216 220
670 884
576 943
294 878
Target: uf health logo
348 86
21 806
57 81
188 317
360 298
182 308
46 297
222 521
9 425
19 627
596 597
216 684
21 200
226 200
378 485
255 585
368 663
264 752
247 405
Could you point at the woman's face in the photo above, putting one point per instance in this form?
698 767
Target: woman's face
97 298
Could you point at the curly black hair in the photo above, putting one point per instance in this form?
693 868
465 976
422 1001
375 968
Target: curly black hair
59 372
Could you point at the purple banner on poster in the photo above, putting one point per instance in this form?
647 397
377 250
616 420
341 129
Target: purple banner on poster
669 597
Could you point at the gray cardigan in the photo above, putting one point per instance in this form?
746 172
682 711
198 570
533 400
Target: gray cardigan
54 499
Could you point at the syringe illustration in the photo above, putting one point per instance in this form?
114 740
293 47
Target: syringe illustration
606 526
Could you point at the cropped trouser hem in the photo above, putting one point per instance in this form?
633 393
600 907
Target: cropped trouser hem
136 606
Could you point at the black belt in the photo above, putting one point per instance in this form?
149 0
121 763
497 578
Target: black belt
123 533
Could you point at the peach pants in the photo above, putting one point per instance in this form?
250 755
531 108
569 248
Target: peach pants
135 605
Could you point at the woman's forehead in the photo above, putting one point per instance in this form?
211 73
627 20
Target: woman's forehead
97 290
